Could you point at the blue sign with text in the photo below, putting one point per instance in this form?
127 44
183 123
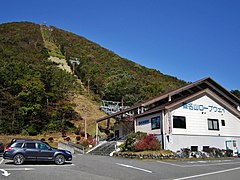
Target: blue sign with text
140 123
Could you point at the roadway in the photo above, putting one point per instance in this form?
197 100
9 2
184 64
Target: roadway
87 167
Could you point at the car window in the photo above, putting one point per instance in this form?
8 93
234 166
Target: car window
30 145
18 145
43 146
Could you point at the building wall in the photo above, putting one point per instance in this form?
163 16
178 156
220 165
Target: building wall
124 128
186 141
143 124
197 132
118 127
197 120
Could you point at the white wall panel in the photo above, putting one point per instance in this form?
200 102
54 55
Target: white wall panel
186 141
147 127
196 120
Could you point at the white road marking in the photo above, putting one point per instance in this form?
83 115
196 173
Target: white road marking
1 161
129 166
207 174
226 160
20 169
5 173
198 165
215 164
162 162
195 162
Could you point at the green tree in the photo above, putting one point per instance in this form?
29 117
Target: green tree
236 93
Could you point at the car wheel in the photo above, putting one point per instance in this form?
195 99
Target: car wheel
18 159
60 159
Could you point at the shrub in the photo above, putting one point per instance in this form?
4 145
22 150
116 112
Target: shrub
88 141
64 134
32 130
24 132
218 152
50 139
90 138
77 131
78 138
148 143
82 134
85 143
229 153
67 139
129 144
186 152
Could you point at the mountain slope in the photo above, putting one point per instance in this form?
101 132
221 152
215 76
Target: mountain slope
110 76
83 105
35 93
30 83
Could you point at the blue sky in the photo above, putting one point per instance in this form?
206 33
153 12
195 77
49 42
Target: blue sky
188 39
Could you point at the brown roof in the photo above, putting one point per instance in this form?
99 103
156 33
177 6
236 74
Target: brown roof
180 101
201 84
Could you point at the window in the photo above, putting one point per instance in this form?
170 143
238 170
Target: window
223 122
30 145
155 122
43 146
213 124
194 148
206 148
179 122
17 145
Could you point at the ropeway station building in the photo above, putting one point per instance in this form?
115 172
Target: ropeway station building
197 116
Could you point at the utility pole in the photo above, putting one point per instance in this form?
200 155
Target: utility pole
85 121
88 89
97 134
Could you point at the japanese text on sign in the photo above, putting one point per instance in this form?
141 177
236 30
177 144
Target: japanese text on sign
200 107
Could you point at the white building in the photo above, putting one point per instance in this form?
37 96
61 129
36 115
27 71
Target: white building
197 116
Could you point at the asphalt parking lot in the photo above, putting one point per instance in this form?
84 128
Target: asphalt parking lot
99 167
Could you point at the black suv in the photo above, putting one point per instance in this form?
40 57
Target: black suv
21 150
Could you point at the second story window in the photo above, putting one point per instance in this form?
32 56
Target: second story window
223 122
213 124
179 122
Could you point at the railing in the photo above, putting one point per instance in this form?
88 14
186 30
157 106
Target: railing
116 138
105 149
74 148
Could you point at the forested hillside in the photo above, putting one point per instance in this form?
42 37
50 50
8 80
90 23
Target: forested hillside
110 76
28 82
34 92
236 93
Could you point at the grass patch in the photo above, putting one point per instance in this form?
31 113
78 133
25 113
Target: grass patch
55 54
